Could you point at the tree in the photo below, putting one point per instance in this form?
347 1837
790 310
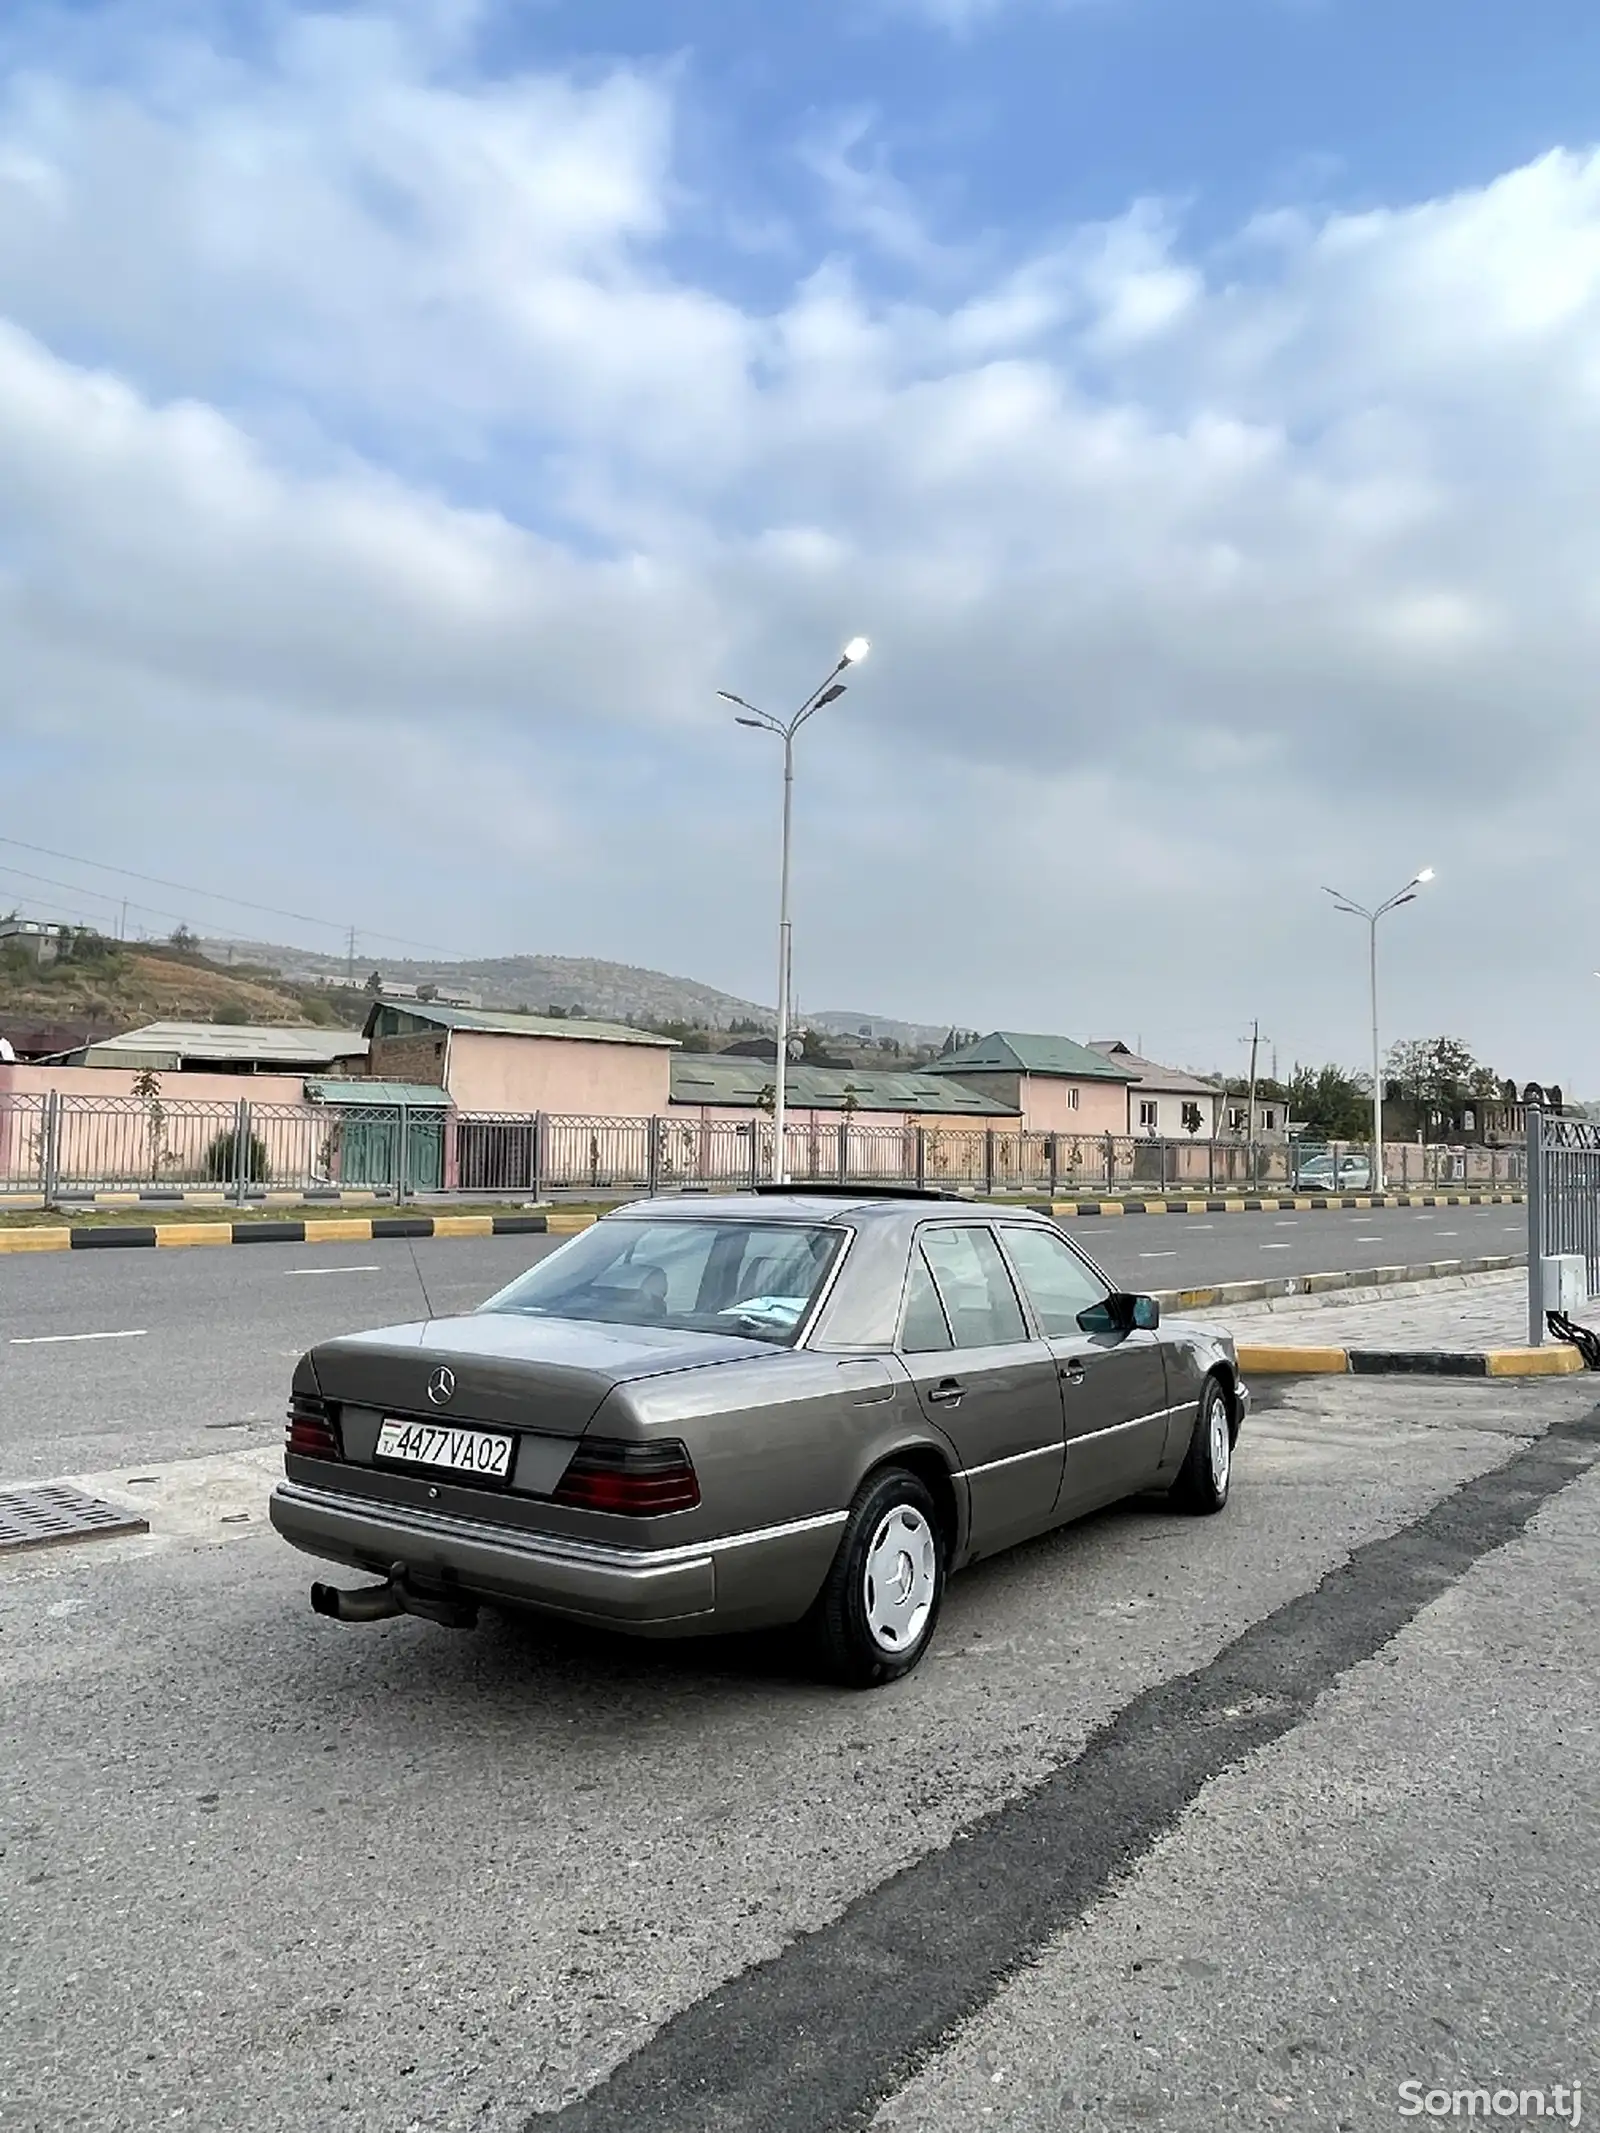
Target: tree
1331 1104
1433 1071
147 1087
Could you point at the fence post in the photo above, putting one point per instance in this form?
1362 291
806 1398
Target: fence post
653 1160
988 1162
1055 1165
1535 1226
1111 1162
538 1155
51 1152
403 1181
241 1149
922 1156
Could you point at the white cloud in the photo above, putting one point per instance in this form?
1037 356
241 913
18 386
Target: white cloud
350 409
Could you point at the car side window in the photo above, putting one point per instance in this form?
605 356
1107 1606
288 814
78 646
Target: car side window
1057 1282
922 1327
974 1287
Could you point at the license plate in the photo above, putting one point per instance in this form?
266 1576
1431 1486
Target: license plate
457 1451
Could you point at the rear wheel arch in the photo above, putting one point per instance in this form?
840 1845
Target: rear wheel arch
932 1469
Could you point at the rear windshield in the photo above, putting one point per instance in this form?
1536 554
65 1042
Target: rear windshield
753 1279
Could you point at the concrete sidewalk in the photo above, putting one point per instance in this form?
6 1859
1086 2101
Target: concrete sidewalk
1418 1325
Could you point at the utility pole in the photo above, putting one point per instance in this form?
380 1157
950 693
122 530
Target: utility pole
1250 1102
350 958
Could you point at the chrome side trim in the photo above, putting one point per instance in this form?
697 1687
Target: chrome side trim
551 1546
822 1520
993 1466
1156 1414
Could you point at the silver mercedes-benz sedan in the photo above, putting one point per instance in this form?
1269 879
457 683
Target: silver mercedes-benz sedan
793 1405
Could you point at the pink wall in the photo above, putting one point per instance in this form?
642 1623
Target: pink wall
108 1136
21 1080
569 1076
1047 1107
1046 1101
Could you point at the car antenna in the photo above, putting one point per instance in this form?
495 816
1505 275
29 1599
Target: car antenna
421 1284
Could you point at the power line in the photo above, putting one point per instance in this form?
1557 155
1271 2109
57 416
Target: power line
218 896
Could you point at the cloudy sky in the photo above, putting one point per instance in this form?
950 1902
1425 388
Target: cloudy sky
412 413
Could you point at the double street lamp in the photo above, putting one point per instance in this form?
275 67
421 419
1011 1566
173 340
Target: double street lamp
1349 905
828 692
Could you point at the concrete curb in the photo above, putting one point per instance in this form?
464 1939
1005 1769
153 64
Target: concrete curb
1557 1361
1285 1204
1302 1287
337 1229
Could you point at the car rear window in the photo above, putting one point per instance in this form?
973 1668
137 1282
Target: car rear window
753 1279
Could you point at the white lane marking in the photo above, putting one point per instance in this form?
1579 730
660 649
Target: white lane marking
1427 1218
1277 1247
1199 1225
1369 1240
1447 1233
1287 1222
51 1340
1158 1255
333 1270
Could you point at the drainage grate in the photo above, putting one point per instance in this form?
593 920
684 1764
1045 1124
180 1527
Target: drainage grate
56 1513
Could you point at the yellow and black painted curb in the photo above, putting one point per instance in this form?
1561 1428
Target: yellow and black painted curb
1558 1360
1283 1204
333 1229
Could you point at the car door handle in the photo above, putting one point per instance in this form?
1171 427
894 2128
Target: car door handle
949 1393
1071 1373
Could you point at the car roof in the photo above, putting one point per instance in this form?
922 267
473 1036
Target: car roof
804 1204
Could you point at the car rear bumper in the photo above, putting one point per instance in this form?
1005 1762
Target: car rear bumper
736 1582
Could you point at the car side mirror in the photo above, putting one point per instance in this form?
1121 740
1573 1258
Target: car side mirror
1121 1314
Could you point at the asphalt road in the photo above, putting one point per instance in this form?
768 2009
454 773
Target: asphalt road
106 1356
1194 1824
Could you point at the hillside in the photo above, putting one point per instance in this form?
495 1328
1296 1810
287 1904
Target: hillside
101 986
612 992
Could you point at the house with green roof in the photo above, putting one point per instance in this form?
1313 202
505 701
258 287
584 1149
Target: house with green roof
723 1085
489 1061
1053 1084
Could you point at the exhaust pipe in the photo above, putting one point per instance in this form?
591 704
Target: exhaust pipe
371 1604
376 1603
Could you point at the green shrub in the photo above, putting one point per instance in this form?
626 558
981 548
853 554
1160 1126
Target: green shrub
222 1159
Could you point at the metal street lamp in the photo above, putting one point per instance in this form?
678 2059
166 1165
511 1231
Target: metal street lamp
829 692
1349 905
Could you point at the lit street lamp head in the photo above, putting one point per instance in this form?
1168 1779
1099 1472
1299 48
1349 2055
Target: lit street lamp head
855 651
1426 874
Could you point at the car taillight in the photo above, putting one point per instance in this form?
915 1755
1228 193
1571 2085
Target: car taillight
607 1474
310 1434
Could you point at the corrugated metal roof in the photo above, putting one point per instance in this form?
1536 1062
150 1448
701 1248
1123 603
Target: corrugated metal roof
349 1091
504 1023
1010 1051
714 1078
260 1043
1170 1081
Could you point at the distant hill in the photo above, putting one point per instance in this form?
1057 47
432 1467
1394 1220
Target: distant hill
100 986
614 992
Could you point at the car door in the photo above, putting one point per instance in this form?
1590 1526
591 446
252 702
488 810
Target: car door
1114 1386
984 1380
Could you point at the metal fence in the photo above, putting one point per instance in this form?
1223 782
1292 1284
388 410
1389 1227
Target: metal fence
1563 1165
156 1145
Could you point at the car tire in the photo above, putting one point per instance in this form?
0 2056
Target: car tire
875 1615
1207 1471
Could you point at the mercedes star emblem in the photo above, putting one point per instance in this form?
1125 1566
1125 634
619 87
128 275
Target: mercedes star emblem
441 1387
